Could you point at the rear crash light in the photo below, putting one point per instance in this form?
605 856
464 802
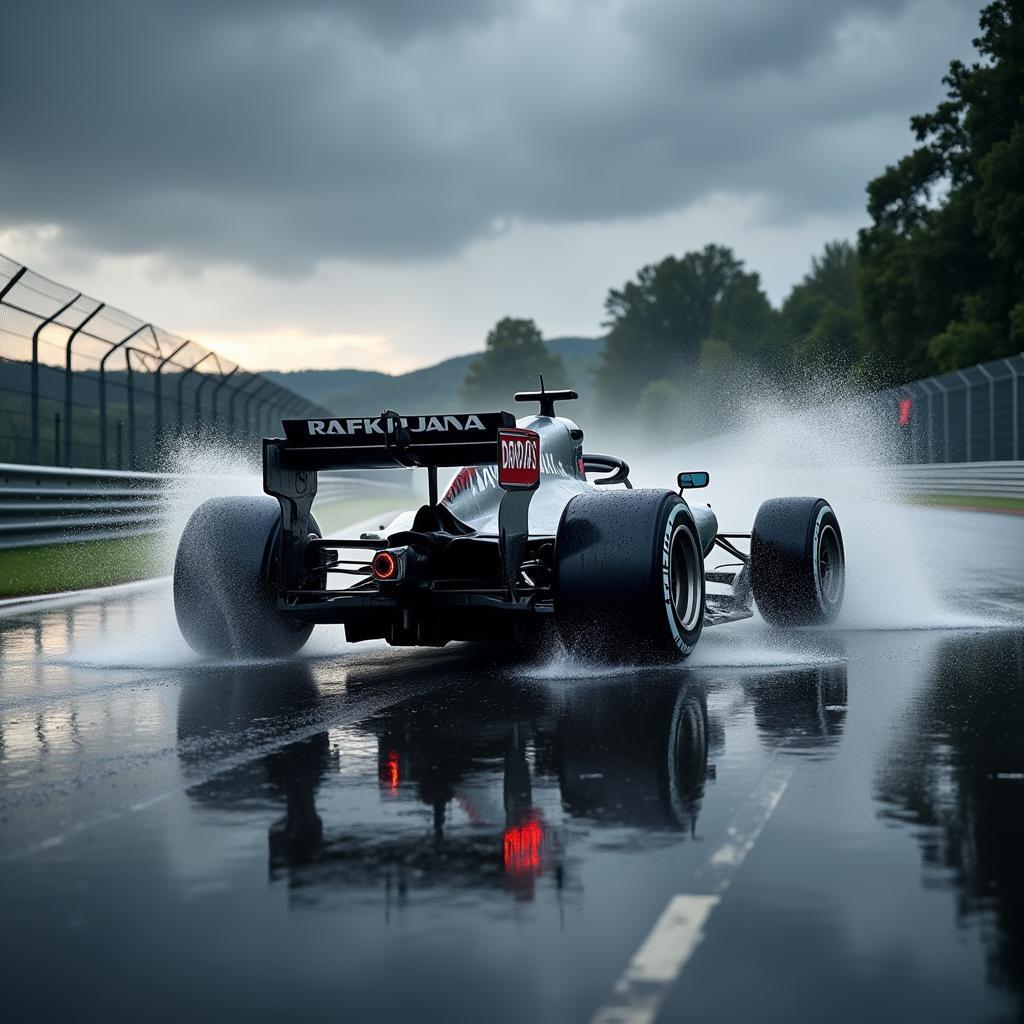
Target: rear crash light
387 566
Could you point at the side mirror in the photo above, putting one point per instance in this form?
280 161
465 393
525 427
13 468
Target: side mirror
687 481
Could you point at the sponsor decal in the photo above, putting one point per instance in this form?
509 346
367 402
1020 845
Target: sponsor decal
383 424
465 480
519 459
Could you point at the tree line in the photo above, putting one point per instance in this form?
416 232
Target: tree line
934 283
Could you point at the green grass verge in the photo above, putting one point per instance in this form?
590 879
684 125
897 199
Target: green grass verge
103 563
93 563
969 501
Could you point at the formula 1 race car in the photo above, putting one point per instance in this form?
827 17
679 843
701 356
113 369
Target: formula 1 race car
523 546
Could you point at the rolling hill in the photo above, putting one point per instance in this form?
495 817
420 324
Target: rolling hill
430 388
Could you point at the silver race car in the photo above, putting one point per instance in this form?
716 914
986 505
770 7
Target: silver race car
533 541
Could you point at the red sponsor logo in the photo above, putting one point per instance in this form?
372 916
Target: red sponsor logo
518 459
465 480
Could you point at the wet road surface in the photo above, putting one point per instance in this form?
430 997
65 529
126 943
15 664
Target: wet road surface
821 825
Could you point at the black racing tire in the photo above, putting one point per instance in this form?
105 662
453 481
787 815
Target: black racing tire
797 562
629 582
223 598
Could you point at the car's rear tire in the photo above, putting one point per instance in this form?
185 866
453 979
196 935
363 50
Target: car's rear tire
224 600
797 562
629 577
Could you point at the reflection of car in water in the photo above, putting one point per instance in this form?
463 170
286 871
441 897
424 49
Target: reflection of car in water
805 708
626 759
500 782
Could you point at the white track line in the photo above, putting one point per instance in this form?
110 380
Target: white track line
640 991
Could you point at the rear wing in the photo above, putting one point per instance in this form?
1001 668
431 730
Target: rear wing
389 441
291 464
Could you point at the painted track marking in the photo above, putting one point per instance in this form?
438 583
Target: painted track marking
641 989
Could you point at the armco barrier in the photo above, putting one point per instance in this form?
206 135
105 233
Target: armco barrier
972 479
46 505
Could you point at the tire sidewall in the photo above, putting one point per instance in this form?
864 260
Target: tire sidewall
613 587
826 517
785 568
679 518
224 596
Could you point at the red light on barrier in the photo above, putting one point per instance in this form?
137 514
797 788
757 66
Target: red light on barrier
384 566
389 772
906 407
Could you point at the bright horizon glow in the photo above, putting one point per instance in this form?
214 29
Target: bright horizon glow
290 348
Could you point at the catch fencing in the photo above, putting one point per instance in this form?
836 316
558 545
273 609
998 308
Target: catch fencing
970 415
86 385
45 505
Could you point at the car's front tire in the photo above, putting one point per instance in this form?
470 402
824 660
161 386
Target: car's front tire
629 577
224 598
797 562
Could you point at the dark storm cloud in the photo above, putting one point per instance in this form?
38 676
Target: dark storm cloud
279 134
742 38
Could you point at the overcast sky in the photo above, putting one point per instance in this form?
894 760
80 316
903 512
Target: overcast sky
373 183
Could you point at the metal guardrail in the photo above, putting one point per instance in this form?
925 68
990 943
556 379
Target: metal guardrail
973 479
42 505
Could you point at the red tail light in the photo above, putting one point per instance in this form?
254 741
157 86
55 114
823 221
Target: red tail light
384 566
523 847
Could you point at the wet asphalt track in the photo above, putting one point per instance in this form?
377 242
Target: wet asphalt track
829 826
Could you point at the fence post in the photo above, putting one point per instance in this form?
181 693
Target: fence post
103 389
181 385
199 400
967 419
34 449
930 450
945 419
131 407
216 394
248 404
1016 407
68 384
56 438
991 412
235 394
158 396
13 281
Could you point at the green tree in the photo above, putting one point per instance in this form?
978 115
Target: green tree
659 404
658 321
820 320
941 270
514 357
745 322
